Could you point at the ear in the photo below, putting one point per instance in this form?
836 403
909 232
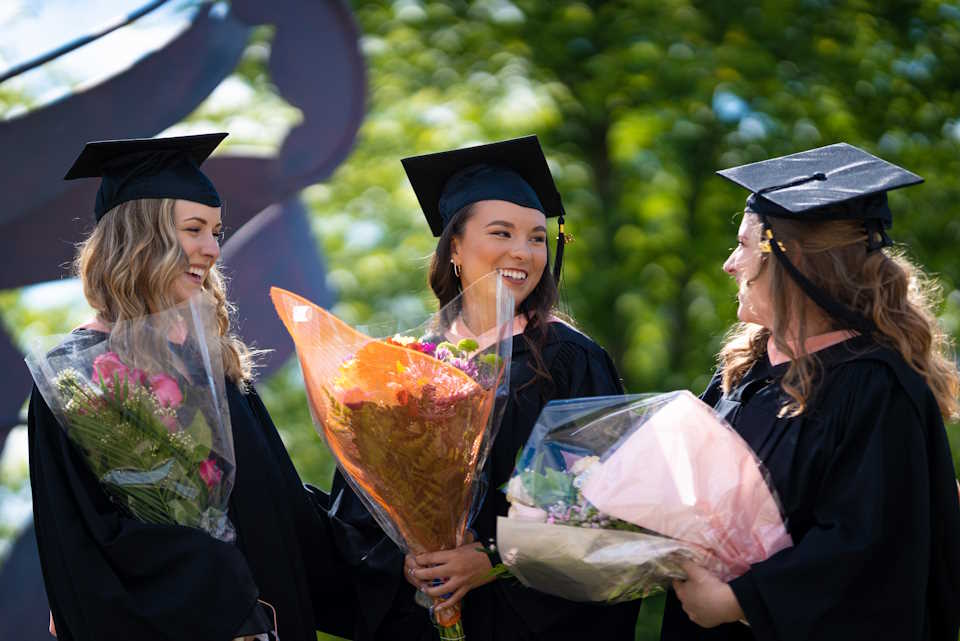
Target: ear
455 248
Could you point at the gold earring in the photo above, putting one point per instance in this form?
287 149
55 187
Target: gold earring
456 268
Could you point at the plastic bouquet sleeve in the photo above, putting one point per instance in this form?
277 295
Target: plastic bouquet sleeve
611 494
147 410
410 416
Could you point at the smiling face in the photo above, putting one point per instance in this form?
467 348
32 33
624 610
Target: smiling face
501 236
746 266
198 230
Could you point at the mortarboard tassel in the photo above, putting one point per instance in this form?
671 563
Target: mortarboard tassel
561 242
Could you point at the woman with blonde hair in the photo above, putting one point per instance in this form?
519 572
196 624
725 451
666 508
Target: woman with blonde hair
108 575
840 379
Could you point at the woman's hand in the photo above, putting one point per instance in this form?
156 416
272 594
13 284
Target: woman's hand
460 570
707 600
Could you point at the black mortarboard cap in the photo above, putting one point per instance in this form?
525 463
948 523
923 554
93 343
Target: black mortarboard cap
835 182
148 168
512 170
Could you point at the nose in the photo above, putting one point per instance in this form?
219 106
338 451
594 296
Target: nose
211 247
728 265
521 250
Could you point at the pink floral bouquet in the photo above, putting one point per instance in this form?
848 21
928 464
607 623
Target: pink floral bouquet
147 410
611 495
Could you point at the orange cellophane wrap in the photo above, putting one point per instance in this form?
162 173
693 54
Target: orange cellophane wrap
407 429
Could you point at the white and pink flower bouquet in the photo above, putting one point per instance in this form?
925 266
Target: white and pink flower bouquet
146 408
611 495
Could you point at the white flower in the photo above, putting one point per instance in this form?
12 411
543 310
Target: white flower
584 464
517 492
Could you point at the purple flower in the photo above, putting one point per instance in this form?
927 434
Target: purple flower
467 367
427 348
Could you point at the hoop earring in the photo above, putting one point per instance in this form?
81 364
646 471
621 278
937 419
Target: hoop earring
456 268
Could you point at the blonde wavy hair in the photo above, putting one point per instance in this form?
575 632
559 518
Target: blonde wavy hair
884 286
129 263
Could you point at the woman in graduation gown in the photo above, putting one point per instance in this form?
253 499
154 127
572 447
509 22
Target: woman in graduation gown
488 205
839 378
110 577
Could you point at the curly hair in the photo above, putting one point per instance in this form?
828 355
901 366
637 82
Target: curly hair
882 285
129 263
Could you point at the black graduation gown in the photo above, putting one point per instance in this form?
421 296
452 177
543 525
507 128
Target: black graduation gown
110 577
867 484
502 610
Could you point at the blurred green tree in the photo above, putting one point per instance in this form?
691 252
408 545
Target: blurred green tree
637 104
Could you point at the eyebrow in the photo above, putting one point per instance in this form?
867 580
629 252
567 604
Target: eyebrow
202 220
504 223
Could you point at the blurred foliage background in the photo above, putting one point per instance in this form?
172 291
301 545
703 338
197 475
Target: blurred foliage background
636 103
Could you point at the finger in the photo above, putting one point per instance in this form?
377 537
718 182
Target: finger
432 558
469 536
410 575
694 572
689 566
443 590
455 597
435 572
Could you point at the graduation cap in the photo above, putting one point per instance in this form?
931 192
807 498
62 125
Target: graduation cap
148 168
512 170
836 182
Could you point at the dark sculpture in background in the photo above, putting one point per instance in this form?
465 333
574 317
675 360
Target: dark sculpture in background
316 65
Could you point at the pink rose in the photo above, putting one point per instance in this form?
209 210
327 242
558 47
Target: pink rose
210 473
107 366
166 390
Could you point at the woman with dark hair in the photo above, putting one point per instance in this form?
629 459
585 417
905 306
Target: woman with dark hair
488 205
840 378
108 575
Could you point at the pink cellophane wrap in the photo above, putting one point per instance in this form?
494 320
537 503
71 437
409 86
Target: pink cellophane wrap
686 474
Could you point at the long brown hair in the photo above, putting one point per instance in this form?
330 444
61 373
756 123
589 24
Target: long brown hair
882 285
128 264
538 307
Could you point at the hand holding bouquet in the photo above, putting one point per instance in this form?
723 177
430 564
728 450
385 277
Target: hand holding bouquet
146 409
611 494
410 418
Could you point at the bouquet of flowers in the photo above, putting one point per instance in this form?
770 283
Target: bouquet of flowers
146 408
411 417
610 494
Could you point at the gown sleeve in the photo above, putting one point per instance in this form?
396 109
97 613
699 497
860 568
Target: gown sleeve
332 607
585 370
861 569
112 578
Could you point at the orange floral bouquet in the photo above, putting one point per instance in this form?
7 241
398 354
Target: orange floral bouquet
410 418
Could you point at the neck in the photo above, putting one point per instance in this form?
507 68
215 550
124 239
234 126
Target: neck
811 345
96 324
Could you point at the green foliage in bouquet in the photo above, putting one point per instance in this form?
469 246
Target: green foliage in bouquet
126 425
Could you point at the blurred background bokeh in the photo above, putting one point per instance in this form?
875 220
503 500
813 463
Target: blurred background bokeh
636 103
